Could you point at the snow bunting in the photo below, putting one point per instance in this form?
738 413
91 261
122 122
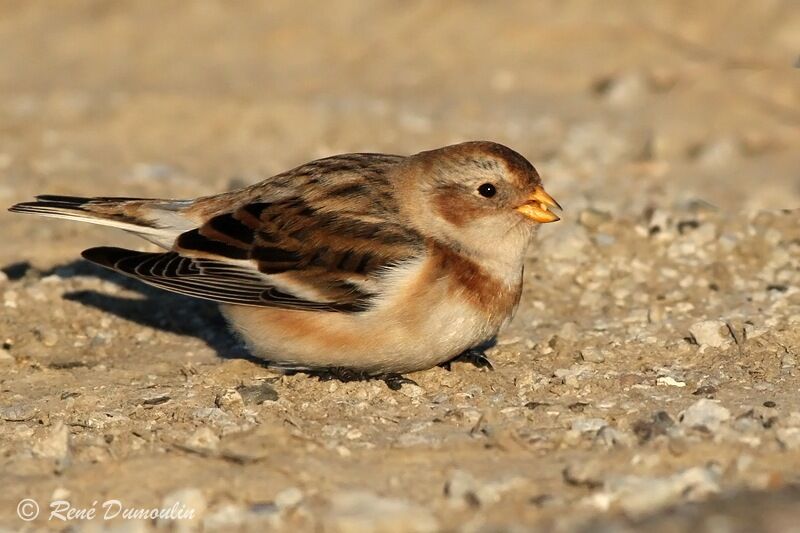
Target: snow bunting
380 264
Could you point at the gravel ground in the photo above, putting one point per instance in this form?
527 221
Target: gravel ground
648 383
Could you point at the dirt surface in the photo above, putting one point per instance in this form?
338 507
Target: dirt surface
648 383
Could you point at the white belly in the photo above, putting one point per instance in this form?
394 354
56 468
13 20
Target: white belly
419 323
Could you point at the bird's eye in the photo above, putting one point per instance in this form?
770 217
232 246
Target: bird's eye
487 190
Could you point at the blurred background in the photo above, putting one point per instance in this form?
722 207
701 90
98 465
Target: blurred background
674 100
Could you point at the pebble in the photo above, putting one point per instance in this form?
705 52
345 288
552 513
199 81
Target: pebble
230 401
462 489
588 425
204 439
288 498
705 413
365 512
712 333
610 437
592 355
638 496
670 382
411 390
659 424
589 474
706 390
18 412
258 394
570 376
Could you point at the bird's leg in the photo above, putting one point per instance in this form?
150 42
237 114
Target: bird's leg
476 356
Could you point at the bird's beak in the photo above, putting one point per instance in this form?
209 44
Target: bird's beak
536 207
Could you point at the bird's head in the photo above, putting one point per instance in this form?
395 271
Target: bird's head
480 197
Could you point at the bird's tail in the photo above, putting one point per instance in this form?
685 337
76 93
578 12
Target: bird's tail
160 221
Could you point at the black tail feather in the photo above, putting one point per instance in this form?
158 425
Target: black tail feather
108 256
55 198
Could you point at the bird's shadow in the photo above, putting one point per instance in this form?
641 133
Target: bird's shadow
182 315
157 309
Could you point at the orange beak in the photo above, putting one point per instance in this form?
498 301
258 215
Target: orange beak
536 207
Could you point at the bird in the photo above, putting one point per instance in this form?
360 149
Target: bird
367 264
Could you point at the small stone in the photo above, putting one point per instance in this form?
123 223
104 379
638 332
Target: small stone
587 474
288 498
588 425
230 401
215 416
363 512
705 413
592 355
638 496
712 333
463 489
569 376
610 437
258 394
19 412
706 390
659 424
411 390
748 422
156 399
670 382
186 509
203 440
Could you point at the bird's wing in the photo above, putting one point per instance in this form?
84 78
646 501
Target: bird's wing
321 250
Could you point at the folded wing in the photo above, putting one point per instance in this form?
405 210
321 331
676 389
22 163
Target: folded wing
296 253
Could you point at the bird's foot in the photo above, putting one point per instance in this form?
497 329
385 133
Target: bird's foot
473 356
393 380
396 381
